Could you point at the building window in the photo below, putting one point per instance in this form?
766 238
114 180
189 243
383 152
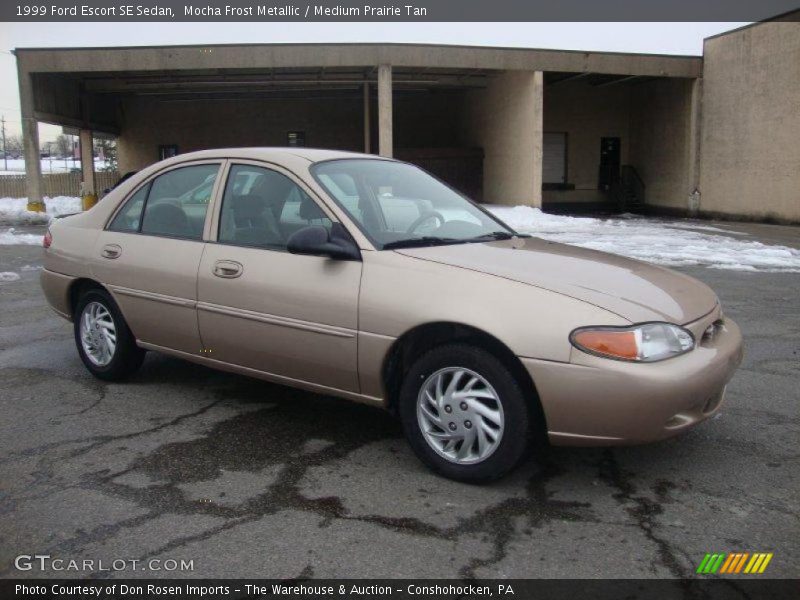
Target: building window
167 151
296 138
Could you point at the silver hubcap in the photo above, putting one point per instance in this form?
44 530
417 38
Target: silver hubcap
460 415
98 334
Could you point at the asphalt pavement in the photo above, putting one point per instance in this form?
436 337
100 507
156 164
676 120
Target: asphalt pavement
248 479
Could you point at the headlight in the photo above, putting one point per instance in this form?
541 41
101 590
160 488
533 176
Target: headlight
648 342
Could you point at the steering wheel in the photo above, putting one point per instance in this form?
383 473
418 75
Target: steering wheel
431 214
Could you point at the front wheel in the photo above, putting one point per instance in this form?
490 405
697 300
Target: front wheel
464 413
105 343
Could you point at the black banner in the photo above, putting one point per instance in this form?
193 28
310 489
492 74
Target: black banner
751 588
390 11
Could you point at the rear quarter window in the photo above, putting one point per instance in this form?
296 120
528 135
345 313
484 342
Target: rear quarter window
129 218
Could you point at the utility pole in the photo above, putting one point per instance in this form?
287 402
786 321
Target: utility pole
5 149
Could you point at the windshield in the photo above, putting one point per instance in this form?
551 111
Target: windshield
399 205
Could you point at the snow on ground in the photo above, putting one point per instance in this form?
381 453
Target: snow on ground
13 211
16 166
11 237
670 243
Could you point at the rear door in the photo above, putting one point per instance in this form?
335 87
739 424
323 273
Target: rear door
149 254
266 309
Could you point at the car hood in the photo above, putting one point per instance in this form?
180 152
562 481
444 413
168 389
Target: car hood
632 289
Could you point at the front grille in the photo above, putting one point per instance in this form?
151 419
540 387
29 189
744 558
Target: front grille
711 331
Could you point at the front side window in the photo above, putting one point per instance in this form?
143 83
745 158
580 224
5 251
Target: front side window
263 208
396 204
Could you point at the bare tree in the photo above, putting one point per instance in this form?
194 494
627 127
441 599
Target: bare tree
14 145
63 146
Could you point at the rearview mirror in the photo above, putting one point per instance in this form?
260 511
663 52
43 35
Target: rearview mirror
315 240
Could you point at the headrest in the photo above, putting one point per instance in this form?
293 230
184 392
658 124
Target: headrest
309 210
248 206
165 218
273 187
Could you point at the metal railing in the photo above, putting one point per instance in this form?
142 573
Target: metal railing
629 190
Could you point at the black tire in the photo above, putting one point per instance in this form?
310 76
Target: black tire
517 432
127 357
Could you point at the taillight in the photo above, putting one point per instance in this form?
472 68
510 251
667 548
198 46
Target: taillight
48 239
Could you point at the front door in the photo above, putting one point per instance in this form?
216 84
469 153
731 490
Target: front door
609 162
149 254
259 306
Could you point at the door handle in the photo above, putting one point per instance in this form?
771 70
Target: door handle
111 251
228 269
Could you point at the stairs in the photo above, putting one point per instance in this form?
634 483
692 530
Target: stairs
629 191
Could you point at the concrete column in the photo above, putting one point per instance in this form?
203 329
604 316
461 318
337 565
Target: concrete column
538 136
87 162
367 131
695 137
385 144
30 139
506 119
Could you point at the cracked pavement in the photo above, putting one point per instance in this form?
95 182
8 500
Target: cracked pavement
250 479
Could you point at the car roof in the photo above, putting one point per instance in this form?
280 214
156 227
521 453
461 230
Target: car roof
273 154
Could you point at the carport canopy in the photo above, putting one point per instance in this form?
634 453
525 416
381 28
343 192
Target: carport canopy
498 89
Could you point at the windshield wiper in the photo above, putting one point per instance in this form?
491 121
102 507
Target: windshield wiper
494 235
427 240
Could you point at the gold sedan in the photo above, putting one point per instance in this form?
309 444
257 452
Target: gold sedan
368 279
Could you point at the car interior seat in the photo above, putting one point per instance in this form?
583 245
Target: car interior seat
253 221
308 210
166 218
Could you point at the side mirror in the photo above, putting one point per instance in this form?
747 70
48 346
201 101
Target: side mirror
316 241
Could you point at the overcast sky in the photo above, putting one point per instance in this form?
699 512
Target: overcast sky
656 38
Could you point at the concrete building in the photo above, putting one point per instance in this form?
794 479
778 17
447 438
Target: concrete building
715 135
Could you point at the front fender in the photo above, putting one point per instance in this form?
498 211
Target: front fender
400 292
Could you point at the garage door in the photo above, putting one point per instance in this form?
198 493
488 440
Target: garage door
554 157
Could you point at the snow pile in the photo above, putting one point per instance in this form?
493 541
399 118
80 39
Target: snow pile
10 237
661 242
671 243
13 211
8 276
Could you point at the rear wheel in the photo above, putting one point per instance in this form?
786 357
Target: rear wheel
464 413
105 343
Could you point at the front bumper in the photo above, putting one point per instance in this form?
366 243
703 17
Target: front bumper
594 401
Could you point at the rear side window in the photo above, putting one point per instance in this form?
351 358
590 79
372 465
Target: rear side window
173 204
178 201
130 217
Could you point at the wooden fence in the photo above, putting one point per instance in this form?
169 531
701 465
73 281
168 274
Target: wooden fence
55 184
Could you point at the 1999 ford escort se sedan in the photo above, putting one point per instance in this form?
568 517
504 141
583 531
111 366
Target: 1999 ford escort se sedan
366 278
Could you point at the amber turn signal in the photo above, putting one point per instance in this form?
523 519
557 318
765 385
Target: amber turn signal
618 344
647 342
